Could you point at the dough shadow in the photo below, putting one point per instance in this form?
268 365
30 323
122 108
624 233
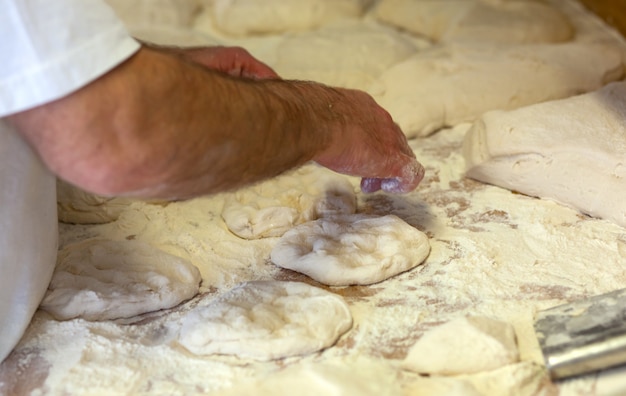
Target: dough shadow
410 208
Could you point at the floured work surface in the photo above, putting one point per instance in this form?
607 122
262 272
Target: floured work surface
494 253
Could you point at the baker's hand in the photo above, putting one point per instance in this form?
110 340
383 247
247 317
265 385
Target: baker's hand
370 145
234 61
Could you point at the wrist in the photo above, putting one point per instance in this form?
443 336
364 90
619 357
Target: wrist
318 110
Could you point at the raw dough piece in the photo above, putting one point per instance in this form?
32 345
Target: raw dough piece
98 279
266 320
80 207
350 54
156 13
571 150
249 17
464 346
352 249
428 18
514 22
342 376
269 209
453 84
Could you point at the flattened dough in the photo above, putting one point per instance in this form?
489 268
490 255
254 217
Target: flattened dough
99 279
348 54
351 249
458 83
464 346
269 209
513 22
80 207
572 151
249 17
266 320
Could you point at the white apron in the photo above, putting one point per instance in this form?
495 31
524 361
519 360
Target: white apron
28 235
55 48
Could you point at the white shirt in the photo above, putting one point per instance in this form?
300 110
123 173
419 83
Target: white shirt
49 49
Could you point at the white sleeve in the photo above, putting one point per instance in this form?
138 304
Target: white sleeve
50 48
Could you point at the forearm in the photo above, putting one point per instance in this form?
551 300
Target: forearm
160 127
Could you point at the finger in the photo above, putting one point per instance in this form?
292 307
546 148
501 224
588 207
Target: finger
248 66
259 71
370 184
411 175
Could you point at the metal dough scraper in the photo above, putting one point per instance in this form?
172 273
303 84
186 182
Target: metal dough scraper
583 336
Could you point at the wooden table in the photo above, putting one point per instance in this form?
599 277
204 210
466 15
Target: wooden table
612 11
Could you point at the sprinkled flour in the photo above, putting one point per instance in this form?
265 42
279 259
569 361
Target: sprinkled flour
494 253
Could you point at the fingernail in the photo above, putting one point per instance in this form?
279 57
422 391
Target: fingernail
412 175
370 185
396 186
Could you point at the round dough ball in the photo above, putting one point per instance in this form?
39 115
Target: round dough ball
269 209
513 21
266 320
464 346
351 249
427 18
157 13
98 279
349 54
249 17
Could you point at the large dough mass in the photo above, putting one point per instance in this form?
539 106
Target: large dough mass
351 249
162 13
266 320
98 279
248 17
458 83
368 49
510 21
571 150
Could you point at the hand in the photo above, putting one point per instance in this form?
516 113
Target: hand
234 61
371 145
138 130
